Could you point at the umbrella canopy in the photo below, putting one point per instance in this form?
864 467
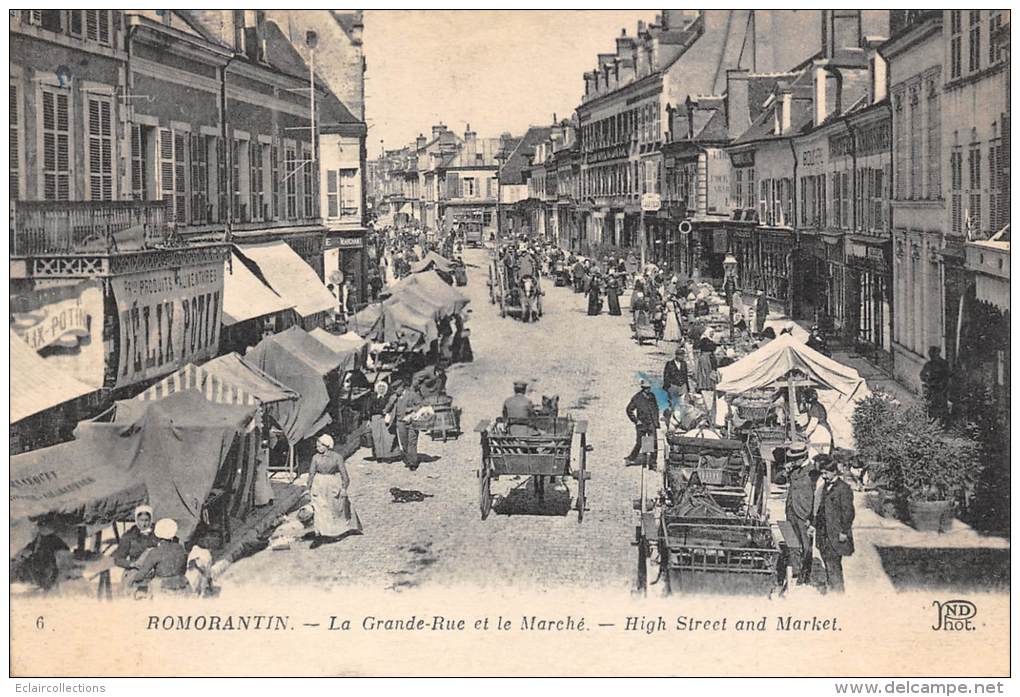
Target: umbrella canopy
776 360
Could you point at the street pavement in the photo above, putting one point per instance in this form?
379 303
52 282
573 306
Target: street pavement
592 365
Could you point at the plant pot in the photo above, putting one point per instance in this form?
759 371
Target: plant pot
931 516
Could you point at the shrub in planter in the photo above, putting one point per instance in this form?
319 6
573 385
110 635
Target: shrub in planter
935 468
875 422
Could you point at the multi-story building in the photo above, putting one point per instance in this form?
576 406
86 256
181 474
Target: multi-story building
468 186
565 196
915 54
623 117
516 206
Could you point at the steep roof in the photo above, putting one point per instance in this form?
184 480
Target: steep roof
519 159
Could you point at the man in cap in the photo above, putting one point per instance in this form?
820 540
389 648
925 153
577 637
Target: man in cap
674 377
643 412
800 476
834 522
518 410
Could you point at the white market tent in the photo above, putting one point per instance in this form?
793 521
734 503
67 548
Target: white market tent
772 363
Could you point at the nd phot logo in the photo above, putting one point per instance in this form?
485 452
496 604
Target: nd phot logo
954 615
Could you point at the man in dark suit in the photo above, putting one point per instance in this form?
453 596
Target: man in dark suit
674 377
643 411
834 522
800 477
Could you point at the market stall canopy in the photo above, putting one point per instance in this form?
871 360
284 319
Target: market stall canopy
288 274
403 323
284 359
312 351
434 290
167 451
774 361
432 261
349 344
36 385
367 322
224 380
246 296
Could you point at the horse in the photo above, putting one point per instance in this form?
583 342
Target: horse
529 299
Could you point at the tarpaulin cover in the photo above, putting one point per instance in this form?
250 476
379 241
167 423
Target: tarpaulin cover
432 260
306 416
348 345
309 349
404 323
772 362
368 322
245 296
173 448
36 385
291 277
434 289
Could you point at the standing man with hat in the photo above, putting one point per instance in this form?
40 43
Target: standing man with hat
643 412
834 522
800 477
675 378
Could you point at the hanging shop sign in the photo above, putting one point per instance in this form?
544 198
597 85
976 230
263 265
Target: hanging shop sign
64 325
167 318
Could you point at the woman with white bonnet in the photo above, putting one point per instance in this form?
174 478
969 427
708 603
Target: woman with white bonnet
380 409
328 484
165 563
138 540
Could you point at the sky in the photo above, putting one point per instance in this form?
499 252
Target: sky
496 70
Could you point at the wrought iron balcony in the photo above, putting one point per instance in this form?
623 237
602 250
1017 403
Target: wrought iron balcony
87 227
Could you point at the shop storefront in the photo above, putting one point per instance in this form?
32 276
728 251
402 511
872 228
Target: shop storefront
868 320
776 261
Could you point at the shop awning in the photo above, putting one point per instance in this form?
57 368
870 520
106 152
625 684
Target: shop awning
288 274
36 385
309 349
224 380
245 296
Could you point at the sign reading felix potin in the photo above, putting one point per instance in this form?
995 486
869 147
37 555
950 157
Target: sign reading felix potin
167 318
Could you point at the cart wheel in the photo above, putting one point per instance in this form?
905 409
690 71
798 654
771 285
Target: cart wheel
642 562
484 490
582 473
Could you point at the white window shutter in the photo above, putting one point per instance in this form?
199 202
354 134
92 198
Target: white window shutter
165 171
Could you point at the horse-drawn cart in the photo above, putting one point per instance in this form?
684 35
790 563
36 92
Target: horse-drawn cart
709 530
520 298
540 447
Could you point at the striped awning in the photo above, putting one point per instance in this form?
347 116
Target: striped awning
193 377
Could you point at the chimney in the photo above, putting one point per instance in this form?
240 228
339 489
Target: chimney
821 88
469 135
640 26
421 141
738 109
438 130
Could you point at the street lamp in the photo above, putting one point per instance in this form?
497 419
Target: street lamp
730 285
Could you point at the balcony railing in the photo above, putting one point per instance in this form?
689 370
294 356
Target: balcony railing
87 227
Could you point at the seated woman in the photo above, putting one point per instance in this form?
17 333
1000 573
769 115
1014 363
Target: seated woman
165 563
134 543
37 564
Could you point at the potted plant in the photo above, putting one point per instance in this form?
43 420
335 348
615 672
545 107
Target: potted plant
938 469
875 421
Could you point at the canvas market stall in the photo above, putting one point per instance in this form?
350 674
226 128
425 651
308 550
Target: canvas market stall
787 363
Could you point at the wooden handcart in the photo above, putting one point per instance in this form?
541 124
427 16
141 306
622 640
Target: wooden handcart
445 423
545 453
709 530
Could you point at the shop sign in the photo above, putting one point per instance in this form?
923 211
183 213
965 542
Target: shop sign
347 242
742 158
651 202
64 324
167 318
875 254
856 249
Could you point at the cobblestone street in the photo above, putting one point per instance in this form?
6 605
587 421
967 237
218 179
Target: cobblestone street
443 539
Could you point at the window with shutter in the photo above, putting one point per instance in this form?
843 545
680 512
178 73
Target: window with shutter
56 144
235 176
97 26
290 163
222 187
349 192
452 185
274 165
15 143
182 149
332 194
138 188
100 149
74 23
309 183
199 183
166 172
257 182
